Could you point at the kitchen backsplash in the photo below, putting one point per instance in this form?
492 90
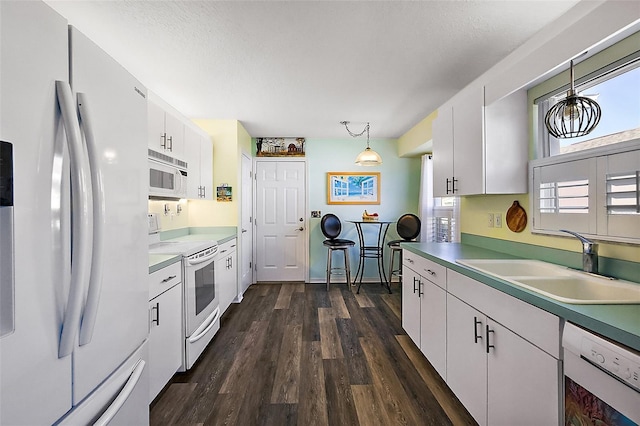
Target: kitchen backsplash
172 214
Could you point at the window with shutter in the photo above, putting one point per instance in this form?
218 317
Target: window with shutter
595 192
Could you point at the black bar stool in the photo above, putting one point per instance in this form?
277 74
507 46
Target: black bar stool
331 227
408 228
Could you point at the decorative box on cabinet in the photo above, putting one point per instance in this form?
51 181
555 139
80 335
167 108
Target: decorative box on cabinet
199 157
165 326
502 355
480 149
226 274
424 307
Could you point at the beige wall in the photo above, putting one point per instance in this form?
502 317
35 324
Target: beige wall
417 140
474 213
228 138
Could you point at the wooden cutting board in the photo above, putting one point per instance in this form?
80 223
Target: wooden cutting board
516 217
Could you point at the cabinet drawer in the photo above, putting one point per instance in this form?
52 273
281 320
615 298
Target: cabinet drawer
226 248
165 278
428 269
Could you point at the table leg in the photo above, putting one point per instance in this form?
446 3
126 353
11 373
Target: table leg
360 270
381 271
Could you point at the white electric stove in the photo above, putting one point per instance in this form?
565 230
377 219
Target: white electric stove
201 311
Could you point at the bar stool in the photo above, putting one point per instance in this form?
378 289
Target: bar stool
331 227
408 228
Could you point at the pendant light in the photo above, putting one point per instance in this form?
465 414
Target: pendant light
368 157
573 116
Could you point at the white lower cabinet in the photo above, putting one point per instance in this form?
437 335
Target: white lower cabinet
165 327
500 376
466 357
226 274
498 354
425 304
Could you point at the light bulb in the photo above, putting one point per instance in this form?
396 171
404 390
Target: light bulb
571 111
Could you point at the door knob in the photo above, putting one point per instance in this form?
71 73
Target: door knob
301 229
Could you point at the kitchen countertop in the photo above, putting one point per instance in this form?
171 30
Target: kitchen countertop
617 322
220 234
159 261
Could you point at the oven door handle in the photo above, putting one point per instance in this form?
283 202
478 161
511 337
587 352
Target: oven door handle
205 327
200 260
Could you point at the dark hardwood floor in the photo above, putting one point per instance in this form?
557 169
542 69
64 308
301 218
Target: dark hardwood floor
295 354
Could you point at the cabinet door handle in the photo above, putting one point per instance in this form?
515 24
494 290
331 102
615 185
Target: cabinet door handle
410 261
476 336
430 272
489 346
448 190
157 309
204 192
420 293
163 144
414 284
170 144
453 185
169 278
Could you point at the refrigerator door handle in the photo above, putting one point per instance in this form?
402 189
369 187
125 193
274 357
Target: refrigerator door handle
99 216
122 397
81 194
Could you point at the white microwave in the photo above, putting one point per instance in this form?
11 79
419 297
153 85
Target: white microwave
167 180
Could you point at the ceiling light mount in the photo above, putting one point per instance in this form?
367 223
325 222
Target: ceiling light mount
573 116
368 157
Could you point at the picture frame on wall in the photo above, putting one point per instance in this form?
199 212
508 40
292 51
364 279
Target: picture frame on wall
353 187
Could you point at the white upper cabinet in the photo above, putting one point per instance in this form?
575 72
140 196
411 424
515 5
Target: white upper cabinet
199 158
480 149
166 131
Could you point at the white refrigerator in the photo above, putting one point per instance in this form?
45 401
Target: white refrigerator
74 292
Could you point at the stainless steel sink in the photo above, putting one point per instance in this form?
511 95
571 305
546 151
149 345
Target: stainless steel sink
558 282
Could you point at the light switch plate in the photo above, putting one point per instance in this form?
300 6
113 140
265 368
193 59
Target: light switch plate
315 213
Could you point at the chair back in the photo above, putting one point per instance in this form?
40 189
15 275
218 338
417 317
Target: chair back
331 226
408 226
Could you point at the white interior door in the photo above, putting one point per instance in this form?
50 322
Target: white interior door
281 234
246 243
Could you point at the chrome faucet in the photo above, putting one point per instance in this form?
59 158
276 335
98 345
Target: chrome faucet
589 253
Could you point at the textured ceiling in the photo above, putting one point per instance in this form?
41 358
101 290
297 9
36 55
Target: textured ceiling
298 68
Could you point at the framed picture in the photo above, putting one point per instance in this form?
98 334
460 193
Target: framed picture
224 193
280 147
353 188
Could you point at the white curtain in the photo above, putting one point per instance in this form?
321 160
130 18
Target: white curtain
426 198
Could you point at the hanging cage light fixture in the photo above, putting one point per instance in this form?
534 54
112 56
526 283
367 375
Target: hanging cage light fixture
368 157
573 116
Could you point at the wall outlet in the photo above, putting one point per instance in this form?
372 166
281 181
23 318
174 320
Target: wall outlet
497 222
490 220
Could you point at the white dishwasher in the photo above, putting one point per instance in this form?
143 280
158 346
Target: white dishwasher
601 379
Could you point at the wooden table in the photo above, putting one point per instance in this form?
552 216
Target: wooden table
372 251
